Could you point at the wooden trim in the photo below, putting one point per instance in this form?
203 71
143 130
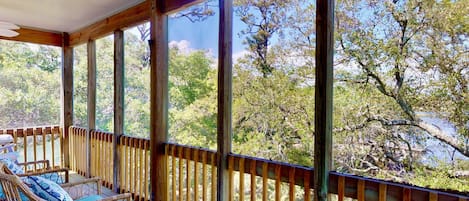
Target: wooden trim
323 97
158 102
174 6
67 95
118 103
224 96
36 36
120 21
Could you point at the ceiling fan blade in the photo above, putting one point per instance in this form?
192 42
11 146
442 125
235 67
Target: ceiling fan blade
7 25
8 33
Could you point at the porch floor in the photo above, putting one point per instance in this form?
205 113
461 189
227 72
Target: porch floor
75 177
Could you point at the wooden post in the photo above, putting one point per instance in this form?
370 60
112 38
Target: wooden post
67 95
118 103
158 101
224 97
91 104
323 97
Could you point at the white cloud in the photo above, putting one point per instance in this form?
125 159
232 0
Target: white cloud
183 46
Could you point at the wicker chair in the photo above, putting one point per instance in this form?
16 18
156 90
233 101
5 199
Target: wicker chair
12 185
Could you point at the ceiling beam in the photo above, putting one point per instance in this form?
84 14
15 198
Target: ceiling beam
177 5
122 20
36 36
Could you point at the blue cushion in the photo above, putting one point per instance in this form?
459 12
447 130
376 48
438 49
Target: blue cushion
47 189
15 168
53 176
90 198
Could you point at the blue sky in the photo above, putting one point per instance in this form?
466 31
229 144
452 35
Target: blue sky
204 34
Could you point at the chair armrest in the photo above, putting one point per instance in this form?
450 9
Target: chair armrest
39 173
124 196
45 163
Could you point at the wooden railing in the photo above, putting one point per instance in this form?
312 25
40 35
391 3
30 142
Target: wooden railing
192 175
134 160
38 143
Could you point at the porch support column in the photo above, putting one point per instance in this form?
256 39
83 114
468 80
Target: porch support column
91 103
66 95
323 97
118 103
224 97
158 101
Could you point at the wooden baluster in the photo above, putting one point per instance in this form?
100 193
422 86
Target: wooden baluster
361 190
141 168
241 179
214 177
44 145
204 176
126 162
307 186
277 182
265 169
382 192
15 139
253 179
132 162
188 174
53 145
25 145
173 172
341 188
230 173
406 194
196 174
291 180
135 166
433 196
34 131
180 163
147 170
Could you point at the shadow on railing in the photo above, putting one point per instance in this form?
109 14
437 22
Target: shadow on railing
192 174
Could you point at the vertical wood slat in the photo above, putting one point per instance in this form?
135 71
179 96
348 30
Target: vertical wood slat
44 145
406 194
291 180
188 174
382 192
147 170
141 168
307 186
361 190
277 182
173 172
52 145
134 168
241 179
196 175
224 101
433 196
25 144
127 162
34 131
181 165
214 177
264 180
122 162
341 188
231 179
253 180
204 176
